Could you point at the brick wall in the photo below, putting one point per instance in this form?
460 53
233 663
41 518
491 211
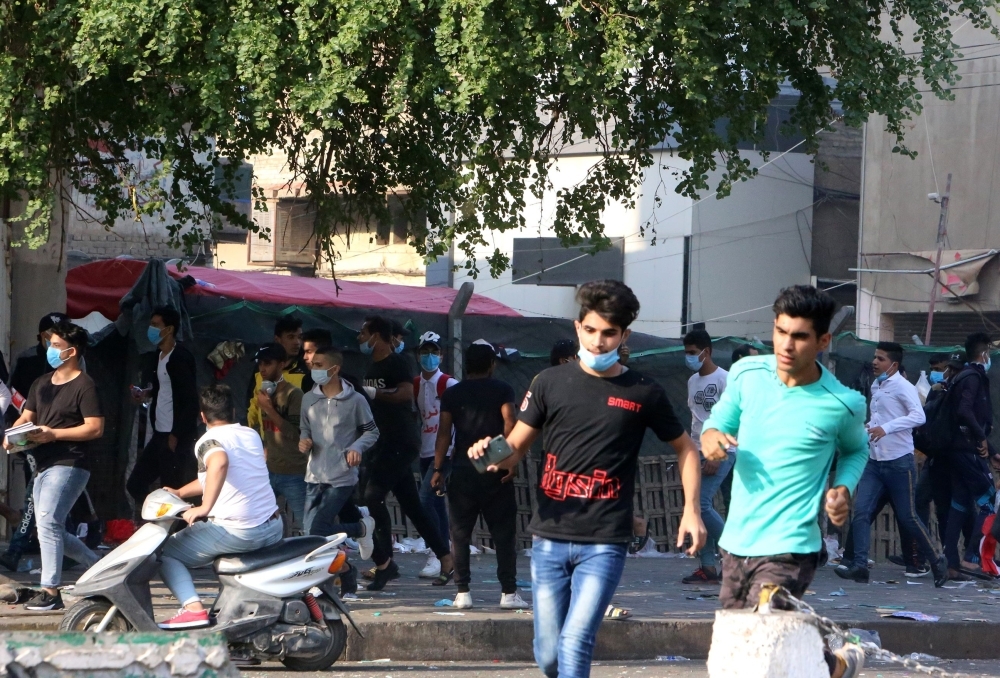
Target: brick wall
108 245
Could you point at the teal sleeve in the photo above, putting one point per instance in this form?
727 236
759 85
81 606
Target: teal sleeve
726 413
852 451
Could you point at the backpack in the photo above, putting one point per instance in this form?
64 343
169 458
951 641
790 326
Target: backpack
937 435
442 385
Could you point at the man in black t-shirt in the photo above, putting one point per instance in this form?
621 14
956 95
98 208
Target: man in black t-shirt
389 387
64 407
479 407
592 416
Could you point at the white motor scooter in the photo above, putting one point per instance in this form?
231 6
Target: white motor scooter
276 603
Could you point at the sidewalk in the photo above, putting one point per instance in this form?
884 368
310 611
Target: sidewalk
402 623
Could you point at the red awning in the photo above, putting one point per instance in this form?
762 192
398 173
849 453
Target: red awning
100 285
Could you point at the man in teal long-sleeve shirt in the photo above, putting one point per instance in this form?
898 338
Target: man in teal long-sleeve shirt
789 418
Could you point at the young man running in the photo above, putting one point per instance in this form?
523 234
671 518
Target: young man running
592 416
705 387
790 417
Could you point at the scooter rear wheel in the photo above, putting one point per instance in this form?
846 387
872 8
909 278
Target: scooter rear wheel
89 613
338 641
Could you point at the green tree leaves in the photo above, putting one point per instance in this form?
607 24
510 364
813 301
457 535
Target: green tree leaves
460 104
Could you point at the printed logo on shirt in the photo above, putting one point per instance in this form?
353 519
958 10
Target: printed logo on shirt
629 405
376 383
560 485
707 397
203 451
524 403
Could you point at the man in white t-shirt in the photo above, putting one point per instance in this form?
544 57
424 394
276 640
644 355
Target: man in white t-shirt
427 390
236 499
705 387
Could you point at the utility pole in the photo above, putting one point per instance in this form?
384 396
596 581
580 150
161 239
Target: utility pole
942 234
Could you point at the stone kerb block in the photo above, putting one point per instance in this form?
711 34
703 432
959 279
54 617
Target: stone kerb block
110 655
776 645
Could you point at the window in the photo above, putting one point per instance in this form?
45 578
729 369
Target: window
544 261
239 194
294 237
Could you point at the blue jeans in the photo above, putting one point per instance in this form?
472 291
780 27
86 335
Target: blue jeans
323 503
572 587
292 487
897 478
714 523
56 490
201 543
434 506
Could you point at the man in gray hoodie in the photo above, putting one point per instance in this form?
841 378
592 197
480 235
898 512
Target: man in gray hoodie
337 427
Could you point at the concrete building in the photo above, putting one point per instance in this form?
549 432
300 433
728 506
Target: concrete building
899 222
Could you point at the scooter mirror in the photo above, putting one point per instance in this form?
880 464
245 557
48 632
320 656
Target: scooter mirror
160 505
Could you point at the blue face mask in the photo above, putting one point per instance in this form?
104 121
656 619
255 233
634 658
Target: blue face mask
598 363
986 365
52 356
694 362
402 345
936 377
366 348
430 362
321 377
154 334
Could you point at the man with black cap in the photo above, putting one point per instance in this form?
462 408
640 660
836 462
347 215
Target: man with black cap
428 388
276 419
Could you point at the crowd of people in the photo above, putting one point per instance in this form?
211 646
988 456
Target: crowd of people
333 446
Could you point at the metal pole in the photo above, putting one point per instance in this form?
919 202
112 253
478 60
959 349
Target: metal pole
455 314
942 233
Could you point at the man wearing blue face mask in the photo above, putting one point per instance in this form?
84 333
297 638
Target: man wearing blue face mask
427 391
592 416
891 470
705 387
173 411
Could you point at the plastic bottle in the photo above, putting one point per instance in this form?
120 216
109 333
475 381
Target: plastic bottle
923 386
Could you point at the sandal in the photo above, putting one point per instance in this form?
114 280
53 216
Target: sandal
443 578
617 613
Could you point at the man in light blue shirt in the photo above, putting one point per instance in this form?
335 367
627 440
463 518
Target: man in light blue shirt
789 418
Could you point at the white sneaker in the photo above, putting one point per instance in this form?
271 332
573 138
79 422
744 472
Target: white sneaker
513 601
463 601
366 544
432 569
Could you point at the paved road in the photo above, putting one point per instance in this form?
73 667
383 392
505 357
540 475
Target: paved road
604 670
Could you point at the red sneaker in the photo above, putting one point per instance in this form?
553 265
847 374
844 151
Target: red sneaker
699 576
185 619
988 548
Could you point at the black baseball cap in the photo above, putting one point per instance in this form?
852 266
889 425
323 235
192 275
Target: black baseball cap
50 320
272 351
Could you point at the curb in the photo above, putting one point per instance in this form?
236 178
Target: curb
511 639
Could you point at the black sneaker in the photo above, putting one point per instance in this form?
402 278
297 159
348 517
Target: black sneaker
349 582
44 601
940 569
917 570
382 577
897 560
853 573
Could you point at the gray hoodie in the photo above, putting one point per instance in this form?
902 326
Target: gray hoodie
335 426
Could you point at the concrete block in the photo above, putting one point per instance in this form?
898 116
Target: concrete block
145 655
777 645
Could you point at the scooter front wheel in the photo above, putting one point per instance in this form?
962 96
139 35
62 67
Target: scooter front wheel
335 648
88 614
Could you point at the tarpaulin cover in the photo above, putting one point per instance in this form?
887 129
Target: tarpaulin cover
100 286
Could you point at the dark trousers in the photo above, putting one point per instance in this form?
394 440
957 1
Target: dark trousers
971 491
395 475
470 495
156 461
895 479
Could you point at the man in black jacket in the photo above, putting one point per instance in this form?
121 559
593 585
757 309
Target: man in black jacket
971 479
173 411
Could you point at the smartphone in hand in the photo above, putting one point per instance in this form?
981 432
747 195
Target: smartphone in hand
496 452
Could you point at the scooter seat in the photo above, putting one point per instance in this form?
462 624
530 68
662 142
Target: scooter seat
286 549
